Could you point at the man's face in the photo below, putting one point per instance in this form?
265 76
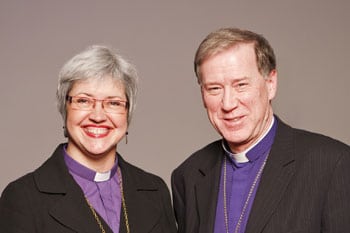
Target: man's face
237 97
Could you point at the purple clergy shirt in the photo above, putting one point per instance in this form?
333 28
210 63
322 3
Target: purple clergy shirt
239 180
101 189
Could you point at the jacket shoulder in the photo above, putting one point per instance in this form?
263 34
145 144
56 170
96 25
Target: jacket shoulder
25 182
311 141
205 157
16 201
141 177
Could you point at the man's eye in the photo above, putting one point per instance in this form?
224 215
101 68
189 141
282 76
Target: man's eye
242 85
213 89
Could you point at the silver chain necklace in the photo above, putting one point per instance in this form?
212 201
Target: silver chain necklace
123 205
252 187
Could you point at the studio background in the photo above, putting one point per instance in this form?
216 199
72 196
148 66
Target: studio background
310 39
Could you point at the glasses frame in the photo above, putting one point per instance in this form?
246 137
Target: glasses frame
94 100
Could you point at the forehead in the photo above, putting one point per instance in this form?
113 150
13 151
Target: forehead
236 62
106 85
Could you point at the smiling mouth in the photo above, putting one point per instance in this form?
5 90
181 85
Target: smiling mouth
234 122
234 119
96 132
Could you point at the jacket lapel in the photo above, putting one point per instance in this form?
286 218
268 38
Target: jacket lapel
140 204
276 176
73 212
206 188
69 206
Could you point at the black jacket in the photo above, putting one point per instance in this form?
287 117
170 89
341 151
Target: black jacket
48 200
304 188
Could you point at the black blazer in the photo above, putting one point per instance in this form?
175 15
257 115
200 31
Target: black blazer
304 188
48 200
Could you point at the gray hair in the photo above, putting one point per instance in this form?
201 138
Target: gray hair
96 62
226 38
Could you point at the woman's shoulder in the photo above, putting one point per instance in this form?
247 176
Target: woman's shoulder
139 175
18 189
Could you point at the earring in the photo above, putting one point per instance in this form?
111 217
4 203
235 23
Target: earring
65 133
126 137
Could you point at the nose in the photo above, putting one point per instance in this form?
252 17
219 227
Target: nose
229 99
98 114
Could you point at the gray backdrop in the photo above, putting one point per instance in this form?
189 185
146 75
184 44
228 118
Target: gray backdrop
310 39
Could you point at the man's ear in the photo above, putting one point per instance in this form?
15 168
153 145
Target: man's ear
271 82
204 104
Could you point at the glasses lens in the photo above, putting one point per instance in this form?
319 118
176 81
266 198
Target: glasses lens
88 104
114 106
83 103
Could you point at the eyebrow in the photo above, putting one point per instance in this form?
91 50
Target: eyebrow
235 80
108 97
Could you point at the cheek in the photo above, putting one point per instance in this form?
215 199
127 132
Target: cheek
119 121
211 104
257 103
254 98
75 117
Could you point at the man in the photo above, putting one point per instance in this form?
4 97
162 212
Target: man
263 175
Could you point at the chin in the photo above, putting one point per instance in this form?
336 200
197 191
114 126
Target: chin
237 140
99 150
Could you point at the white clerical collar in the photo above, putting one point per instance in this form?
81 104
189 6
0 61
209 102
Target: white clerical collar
242 156
87 173
100 177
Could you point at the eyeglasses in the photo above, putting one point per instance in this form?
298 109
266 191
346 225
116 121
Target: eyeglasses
87 104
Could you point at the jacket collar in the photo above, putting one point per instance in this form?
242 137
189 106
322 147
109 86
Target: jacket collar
53 178
207 185
68 202
140 207
279 170
276 176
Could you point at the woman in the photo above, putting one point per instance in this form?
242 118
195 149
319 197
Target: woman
86 186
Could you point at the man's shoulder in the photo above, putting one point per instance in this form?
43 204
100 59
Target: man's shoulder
310 140
320 141
207 155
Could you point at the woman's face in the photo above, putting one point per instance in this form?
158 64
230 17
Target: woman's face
94 132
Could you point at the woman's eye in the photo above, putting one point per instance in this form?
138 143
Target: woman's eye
114 103
83 100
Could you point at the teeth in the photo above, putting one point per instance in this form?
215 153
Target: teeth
233 119
97 130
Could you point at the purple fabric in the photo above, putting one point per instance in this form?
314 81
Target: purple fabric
104 196
239 179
